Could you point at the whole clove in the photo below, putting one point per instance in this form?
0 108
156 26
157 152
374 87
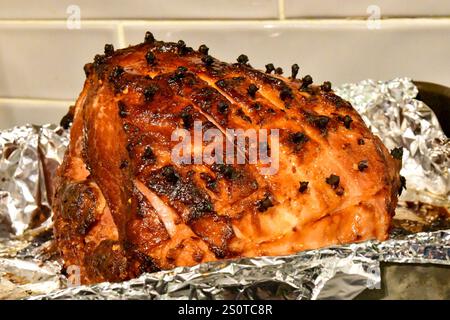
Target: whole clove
256 106
109 49
67 120
242 59
150 57
251 90
402 185
326 86
397 153
265 203
303 186
182 48
222 106
207 60
347 121
286 93
333 181
294 70
362 165
149 38
203 49
306 81
116 72
270 68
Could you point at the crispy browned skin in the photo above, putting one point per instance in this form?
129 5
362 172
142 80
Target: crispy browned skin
122 207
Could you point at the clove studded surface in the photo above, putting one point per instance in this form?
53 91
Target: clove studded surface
123 206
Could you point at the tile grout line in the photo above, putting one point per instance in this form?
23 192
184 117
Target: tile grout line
281 20
39 101
281 14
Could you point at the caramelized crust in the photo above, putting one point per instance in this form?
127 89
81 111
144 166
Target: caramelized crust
123 207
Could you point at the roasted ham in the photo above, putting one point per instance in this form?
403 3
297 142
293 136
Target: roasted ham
123 206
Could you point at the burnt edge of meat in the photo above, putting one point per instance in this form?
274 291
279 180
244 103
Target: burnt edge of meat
210 181
107 262
78 206
318 121
116 72
166 181
145 263
337 101
98 61
220 248
226 171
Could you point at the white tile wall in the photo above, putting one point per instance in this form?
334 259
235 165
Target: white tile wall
364 8
41 60
19 111
135 9
339 51
45 60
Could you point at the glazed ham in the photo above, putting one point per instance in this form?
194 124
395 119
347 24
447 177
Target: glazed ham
124 206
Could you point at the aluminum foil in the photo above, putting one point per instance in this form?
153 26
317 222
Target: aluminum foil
30 266
392 113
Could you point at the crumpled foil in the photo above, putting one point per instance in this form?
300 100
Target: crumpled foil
392 113
30 266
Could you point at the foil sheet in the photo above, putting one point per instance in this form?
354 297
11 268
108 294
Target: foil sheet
30 266
392 112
